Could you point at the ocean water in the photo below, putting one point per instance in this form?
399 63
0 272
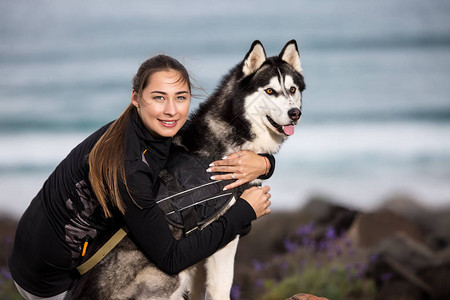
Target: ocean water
376 116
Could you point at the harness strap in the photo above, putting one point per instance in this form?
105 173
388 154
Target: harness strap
103 251
173 187
171 183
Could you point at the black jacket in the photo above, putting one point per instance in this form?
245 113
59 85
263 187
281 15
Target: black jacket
65 213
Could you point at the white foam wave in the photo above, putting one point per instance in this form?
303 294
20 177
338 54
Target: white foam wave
37 149
398 139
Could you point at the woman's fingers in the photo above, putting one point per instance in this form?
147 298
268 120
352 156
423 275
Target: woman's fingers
258 198
234 184
243 166
231 160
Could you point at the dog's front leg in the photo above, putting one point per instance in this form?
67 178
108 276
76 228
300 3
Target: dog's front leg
198 282
220 270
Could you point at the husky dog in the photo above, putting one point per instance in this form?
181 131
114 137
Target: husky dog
255 107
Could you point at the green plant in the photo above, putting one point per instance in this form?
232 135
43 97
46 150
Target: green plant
325 281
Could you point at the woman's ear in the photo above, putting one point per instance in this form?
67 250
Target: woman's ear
134 98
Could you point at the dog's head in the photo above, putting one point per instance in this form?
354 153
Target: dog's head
275 87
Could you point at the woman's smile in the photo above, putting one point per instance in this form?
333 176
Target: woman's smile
167 123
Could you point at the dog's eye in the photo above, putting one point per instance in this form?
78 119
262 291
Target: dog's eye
269 91
293 89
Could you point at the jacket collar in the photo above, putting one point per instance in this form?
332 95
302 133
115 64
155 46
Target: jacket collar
142 132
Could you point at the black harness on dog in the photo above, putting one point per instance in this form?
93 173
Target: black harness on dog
187 195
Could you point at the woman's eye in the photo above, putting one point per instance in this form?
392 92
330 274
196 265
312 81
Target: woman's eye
181 98
269 91
158 98
293 89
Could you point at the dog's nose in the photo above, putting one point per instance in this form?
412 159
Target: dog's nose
294 114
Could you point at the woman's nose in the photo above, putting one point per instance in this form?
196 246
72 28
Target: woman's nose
170 108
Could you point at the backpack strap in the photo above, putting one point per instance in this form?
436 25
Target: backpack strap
103 251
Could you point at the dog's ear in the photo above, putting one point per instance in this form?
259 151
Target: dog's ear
254 59
291 55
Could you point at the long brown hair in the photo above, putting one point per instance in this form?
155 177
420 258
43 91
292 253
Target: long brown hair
106 159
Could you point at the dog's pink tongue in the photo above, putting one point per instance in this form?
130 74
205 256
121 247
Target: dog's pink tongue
288 129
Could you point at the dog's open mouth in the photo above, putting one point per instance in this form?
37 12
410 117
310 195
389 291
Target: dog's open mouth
284 129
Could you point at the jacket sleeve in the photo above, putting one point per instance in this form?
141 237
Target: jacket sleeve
151 232
271 159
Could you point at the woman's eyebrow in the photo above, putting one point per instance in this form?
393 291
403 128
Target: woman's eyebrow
158 92
164 93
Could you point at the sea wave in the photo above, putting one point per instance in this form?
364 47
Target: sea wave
69 121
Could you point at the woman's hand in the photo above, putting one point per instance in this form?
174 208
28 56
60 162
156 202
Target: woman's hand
244 166
258 198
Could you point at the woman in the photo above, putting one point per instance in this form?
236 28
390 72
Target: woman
110 180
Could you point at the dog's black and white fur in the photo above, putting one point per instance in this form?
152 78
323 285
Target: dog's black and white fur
254 108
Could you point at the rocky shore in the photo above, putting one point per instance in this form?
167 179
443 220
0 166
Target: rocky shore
399 251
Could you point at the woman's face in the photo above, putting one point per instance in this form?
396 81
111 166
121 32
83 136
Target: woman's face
164 104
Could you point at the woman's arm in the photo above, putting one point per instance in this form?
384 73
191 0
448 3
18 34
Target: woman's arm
244 166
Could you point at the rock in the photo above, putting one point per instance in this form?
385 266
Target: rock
322 210
306 297
404 259
399 290
437 277
406 251
369 229
406 206
434 223
326 214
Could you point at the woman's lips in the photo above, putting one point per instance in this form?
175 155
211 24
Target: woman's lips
168 123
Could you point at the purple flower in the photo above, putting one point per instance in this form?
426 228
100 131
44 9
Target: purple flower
260 283
305 230
363 266
347 242
306 241
360 272
331 233
235 292
351 251
373 258
289 245
5 273
257 265
323 245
